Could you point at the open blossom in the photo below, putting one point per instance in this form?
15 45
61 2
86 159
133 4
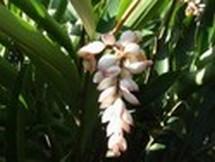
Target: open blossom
194 7
114 72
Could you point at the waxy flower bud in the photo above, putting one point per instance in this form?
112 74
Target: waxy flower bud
92 48
107 61
194 8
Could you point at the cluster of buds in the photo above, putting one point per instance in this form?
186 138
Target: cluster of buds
114 75
194 7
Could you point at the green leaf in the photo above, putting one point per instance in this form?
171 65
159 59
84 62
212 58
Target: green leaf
158 87
61 10
37 12
189 82
89 119
8 72
122 8
15 122
146 10
54 65
85 10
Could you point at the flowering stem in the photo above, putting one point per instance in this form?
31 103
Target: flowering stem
125 16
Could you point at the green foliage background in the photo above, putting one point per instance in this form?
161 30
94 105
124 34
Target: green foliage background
48 106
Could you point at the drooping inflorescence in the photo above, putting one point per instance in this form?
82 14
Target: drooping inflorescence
114 72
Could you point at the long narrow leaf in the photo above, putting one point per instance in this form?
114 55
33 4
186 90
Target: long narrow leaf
37 12
44 55
85 11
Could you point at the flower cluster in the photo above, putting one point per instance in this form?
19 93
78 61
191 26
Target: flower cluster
194 7
114 75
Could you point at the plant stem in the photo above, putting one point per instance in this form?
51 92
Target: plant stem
126 15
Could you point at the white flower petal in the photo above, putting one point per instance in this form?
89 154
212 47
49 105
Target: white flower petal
108 115
92 48
125 126
107 61
108 101
132 48
98 77
128 36
117 140
122 144
126 117
106 93
197 1
136 67
125 73
113 153
130 97
128 83
106 83
113 140
114 126
112 71
118 107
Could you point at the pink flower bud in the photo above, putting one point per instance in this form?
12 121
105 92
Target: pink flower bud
136 67
112 71
130 97
108 101
132 49
126 117
89 64
128 37
92 48
119 140
106 83
108 115
129 84
107 61
114 127
106 93
98 77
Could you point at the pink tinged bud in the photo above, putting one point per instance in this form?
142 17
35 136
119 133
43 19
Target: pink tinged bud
107 93
129 97
137 67
108 39
107 61
89 64
114 126
114 112
125 126
126 117
125 73
112 71
92 48
114 152
119 107
129 84
98 77
117 125
108 115
106 83
128 37
133 49
117 140
108 101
